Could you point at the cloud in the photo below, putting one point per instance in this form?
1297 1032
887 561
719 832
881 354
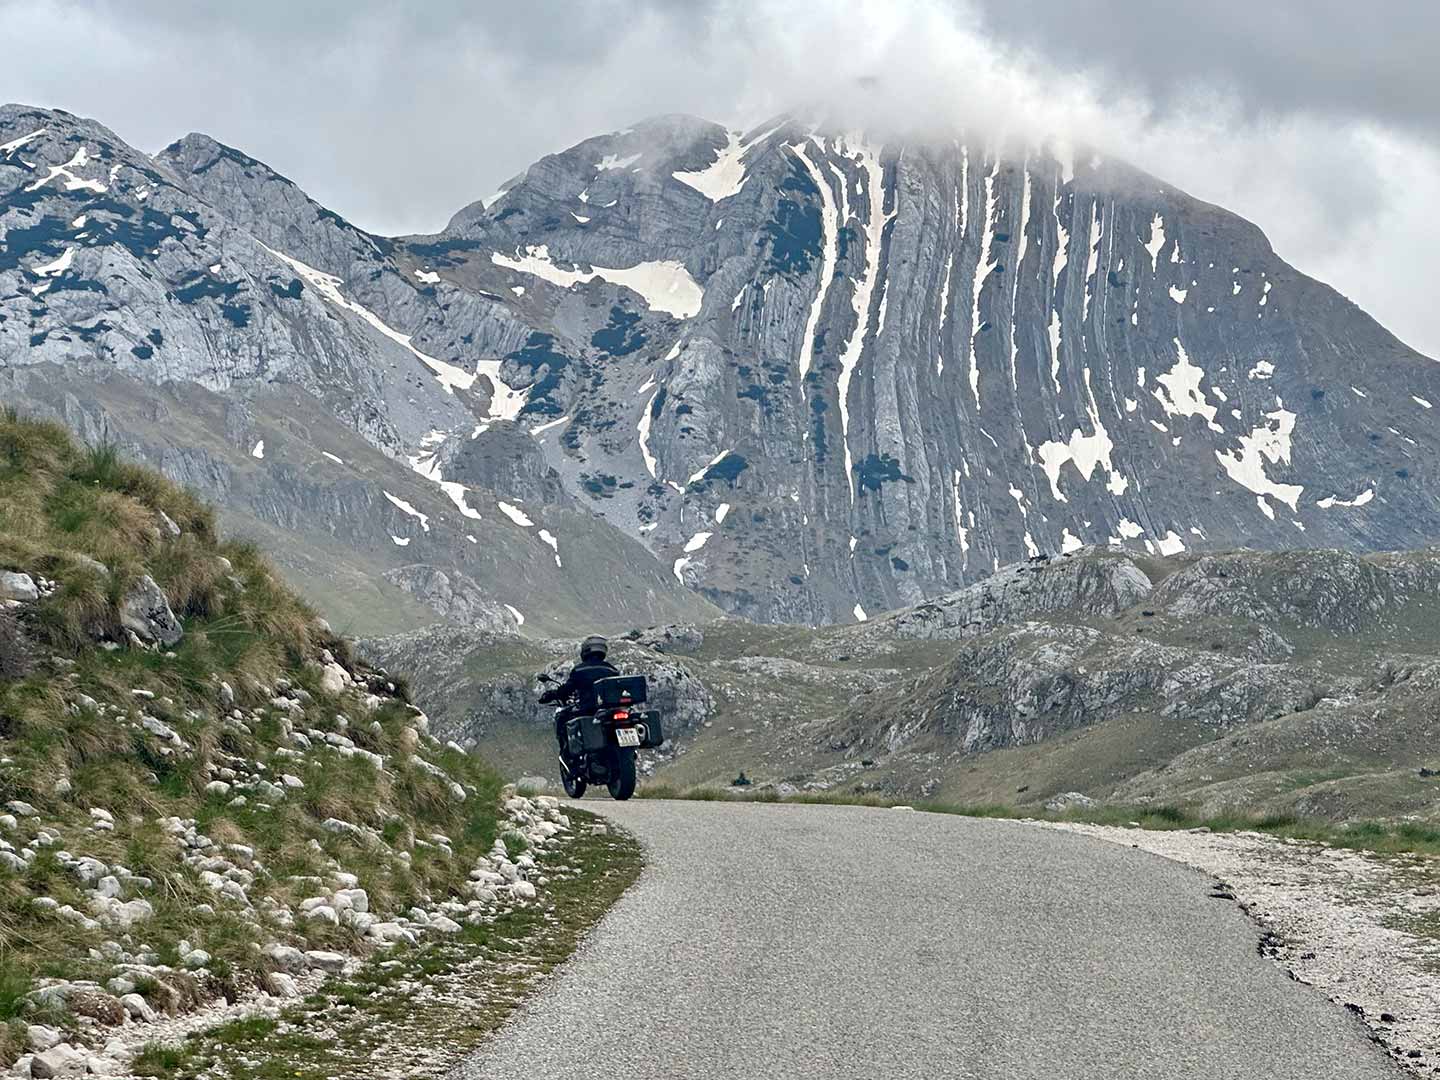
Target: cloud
1313 118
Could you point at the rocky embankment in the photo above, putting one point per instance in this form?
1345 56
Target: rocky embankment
205 800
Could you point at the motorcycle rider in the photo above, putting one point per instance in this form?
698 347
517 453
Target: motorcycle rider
581 685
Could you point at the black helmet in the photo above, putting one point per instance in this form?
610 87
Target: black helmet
594 647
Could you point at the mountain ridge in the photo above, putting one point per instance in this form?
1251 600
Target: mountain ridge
831 442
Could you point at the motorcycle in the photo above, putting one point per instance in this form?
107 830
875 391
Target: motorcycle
600 747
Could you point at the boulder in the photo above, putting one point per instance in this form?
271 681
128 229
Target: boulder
332 963
1069 800
146 613
138 1008
61 1060
39 1037
18 587
287 958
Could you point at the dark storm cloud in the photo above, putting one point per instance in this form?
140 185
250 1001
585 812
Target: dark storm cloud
1314 118
1371 61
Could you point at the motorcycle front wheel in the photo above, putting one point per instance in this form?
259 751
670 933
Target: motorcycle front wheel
622 774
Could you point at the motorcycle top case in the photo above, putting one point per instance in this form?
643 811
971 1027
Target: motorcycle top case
621 690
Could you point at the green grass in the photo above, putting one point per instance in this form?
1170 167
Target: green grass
64 507
159 1059
379 1015
1377 836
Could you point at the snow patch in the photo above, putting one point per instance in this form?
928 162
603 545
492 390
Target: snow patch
515 614
427 277
1421 402
259 451
699 475
1179 390
864 288
1156 241
664 286
1171 544
724 176
830 232
547 537
1246 465
1263 369
1359 500
400 541
1178 295
505 401
515 514
613 161
1085 451
58 266
859 613
72 182
721 513
405 507
332 457
696 542
983 269
15 144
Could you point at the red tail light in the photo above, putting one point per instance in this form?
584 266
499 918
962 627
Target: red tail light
620 714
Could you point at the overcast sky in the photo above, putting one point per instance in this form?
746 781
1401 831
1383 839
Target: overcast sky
1317 119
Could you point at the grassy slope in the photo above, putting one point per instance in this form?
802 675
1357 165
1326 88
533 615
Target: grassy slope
70 740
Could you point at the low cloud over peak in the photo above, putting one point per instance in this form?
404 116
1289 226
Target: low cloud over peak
1314 118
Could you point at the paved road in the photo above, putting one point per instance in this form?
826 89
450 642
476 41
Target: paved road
791 942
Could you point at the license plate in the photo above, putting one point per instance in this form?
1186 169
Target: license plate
627 736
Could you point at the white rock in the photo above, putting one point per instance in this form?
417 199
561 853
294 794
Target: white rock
324 913
444 925
217 787
287 958
195 959
21 809
523 889
61 1060
391 932
19 587
330 962
138 1008
108 887
334 679
282 985
39 1037
355 899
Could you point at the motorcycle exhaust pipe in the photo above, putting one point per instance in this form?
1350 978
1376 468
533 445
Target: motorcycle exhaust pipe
563 765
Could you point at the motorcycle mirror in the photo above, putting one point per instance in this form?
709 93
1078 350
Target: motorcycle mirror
542 677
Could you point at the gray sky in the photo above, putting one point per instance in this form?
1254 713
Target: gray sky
1314 118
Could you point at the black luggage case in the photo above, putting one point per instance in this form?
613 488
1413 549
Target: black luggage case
621 690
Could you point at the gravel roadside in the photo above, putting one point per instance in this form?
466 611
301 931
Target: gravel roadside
1361 928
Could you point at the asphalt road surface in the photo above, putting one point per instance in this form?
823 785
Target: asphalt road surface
786 942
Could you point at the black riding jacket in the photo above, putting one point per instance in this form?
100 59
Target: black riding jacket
581 684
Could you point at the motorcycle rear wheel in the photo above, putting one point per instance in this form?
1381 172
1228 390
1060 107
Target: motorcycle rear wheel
622 774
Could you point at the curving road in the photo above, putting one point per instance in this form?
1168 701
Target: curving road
792 942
